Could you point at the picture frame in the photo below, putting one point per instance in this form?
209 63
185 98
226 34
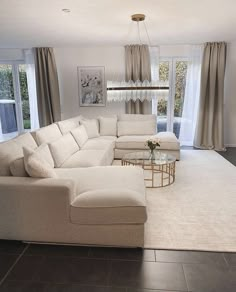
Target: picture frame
92 86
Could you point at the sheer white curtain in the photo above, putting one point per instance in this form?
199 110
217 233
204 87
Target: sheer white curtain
191 98
31 82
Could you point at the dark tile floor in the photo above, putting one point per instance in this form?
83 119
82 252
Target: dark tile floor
229 154
41 268
45 268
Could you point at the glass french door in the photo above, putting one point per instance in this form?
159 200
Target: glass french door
169 108
14 100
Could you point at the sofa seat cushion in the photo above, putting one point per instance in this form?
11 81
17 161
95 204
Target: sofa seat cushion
132 142
98 144
107 195
168 141
111 138
87 158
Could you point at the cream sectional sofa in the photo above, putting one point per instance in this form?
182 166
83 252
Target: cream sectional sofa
88 201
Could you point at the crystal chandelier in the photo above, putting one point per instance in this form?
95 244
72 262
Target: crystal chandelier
137 90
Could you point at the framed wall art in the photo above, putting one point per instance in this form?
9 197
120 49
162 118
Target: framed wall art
92 86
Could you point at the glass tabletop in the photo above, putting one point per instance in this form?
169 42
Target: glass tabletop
145 157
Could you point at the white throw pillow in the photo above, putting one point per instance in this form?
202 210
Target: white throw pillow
48 134
45 153
108 126
80 135
91 127
126 128
63 148
68 125
17 168
36 166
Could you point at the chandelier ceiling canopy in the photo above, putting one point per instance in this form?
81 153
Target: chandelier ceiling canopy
137 90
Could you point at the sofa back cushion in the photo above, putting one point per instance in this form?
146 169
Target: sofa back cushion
48 134
108 126
36 166
67 125
136 117
9 151
91 127
80 135
26 140
126 128
63 148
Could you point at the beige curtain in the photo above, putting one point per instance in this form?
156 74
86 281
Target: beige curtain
137 67
47 86
210 128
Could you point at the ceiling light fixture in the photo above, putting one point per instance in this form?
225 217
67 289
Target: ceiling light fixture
133 90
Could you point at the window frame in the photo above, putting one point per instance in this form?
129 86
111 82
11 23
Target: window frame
17 91
172 80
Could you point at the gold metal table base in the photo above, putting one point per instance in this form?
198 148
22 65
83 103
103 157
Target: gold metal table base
162 175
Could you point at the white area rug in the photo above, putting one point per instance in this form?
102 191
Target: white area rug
197 212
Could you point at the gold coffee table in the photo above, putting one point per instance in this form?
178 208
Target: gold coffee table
160 168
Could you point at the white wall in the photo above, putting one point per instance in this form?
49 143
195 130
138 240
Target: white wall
68 59
230 96
174 51
112 58
11 54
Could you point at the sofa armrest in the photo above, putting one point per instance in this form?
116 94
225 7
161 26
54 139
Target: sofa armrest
36 186
28 204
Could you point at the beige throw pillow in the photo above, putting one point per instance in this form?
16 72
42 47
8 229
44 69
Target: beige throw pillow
80 135
48 134
17 168
63 148
36 166
44 152
68 125
91 127
108 126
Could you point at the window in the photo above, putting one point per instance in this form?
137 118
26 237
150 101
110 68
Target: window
14 100
24 97
169 109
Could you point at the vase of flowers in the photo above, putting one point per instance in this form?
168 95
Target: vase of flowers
152 145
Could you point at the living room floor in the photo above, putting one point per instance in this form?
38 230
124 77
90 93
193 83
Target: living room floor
41 268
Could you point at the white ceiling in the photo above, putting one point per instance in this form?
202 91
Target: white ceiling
29 23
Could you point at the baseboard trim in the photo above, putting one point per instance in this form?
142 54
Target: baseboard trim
230 145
